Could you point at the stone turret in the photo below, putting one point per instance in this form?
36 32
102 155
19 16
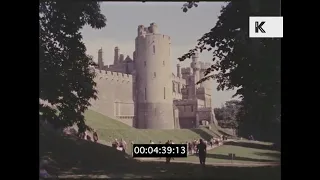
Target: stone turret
178 70
116 55
154 92
153 28
195 65
134 55
100 59
121 58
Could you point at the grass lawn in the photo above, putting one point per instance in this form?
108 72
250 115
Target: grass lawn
245 152
71 157
109 129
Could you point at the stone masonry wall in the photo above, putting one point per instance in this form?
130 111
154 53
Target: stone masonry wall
114 96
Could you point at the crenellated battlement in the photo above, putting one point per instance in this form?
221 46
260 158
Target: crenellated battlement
113 76
150 37
142 30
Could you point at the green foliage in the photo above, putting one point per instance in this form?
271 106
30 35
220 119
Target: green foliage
252 66
189 5
66 81
227 115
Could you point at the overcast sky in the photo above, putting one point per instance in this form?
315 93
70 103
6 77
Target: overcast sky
184 29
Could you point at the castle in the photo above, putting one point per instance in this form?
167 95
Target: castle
144 93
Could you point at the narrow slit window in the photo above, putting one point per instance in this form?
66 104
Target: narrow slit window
191 108
173 87
145 93
164 93
163 63
154 74
154 49
145 63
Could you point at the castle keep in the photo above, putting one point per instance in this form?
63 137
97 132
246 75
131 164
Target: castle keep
144 93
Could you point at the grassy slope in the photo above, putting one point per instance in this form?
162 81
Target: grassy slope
245 152
71 157
252 152
110 129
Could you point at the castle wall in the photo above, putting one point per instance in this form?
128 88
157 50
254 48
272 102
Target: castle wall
187 122
121 68
176 117
201 103
177 84
114 96
176 95
187 112
206 114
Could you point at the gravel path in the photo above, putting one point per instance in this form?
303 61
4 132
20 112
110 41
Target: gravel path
235 164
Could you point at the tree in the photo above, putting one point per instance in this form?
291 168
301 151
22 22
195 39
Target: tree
218 112
227 114
252 66
66 80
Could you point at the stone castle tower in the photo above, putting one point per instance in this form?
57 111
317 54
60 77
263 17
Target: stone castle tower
153 83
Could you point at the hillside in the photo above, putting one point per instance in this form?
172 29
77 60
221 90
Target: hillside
109 129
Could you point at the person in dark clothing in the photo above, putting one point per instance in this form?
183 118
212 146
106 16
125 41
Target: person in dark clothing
168 158
95 136
211 142
171 142
123 145
88 138
189 147
81 135
202 152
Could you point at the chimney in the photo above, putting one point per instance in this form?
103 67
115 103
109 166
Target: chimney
178 70
116 55
100 60
121 58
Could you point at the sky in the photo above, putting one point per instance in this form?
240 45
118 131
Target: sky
123 19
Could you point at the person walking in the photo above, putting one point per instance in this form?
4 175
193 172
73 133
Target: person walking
202 152
168 158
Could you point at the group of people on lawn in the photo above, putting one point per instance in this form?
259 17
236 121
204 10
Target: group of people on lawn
86 136
198 147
